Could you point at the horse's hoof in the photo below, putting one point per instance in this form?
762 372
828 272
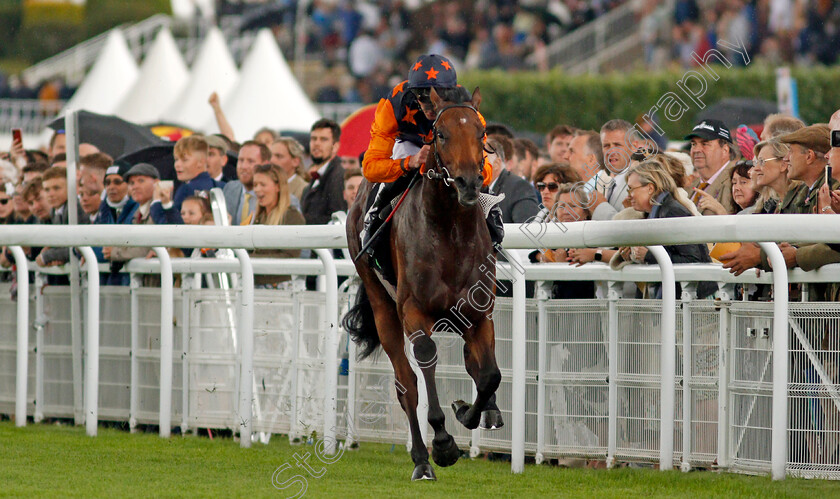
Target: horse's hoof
460 407
423 472
447 453
491 419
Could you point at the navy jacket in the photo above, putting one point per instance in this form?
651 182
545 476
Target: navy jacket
202 182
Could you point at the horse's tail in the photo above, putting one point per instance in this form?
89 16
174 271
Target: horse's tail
360 324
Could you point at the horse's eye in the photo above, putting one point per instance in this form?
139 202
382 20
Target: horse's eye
440 136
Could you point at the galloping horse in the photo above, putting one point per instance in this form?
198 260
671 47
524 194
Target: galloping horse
440 248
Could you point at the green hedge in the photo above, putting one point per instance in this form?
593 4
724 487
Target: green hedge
538 101
102 15
11 16
48 28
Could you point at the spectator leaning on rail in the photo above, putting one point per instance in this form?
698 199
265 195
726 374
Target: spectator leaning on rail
239 194
570 206
652 191
618 142
805 161
191 169
142 180
806 157
273 208
713 154
55 188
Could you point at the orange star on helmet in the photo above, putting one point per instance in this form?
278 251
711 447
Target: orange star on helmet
446 65
417 66
432 74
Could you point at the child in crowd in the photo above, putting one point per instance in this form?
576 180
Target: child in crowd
196 210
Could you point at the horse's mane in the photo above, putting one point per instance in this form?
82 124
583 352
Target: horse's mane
454 95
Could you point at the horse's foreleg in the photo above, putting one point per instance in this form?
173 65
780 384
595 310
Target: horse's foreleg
480 361
406 385
445 451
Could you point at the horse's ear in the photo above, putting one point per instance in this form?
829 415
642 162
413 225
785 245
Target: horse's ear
476 98
435 98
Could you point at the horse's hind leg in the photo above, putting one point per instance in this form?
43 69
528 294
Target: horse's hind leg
445 451
480 361
393 343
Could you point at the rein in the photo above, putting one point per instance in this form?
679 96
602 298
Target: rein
432 173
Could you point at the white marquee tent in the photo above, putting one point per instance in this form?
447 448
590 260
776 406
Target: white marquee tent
163 75
109 79
267 94
212 71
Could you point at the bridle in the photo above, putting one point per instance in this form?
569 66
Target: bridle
432 173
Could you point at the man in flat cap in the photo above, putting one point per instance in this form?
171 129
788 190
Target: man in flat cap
141 179
713 156
806 162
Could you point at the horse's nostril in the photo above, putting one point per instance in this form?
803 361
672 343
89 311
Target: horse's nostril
460 182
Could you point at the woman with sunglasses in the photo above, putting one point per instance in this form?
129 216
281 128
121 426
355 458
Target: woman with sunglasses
771 172
401 130
548 178
274 207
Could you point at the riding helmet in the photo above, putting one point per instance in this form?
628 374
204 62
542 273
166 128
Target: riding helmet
432 70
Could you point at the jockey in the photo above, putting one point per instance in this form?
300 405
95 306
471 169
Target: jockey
401 129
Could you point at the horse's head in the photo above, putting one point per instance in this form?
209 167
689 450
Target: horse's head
458 144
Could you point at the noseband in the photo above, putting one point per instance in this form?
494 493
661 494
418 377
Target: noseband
432 173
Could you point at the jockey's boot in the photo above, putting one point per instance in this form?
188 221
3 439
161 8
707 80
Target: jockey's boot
496 226
373 221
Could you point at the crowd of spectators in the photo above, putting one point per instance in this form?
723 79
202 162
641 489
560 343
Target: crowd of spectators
773 31
366 39
617 172
277 182
361 43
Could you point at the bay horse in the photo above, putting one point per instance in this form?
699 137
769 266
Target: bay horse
440 248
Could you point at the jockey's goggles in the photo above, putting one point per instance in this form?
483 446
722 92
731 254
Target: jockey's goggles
424 94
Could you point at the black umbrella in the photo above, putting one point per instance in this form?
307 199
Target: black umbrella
160 156
738 111
110 134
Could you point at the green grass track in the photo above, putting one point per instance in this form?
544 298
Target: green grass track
61 461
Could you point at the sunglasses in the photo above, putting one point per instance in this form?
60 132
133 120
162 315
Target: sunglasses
835 138
114 181
4 202
552 186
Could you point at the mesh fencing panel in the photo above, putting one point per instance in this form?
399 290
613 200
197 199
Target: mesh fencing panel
289 362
